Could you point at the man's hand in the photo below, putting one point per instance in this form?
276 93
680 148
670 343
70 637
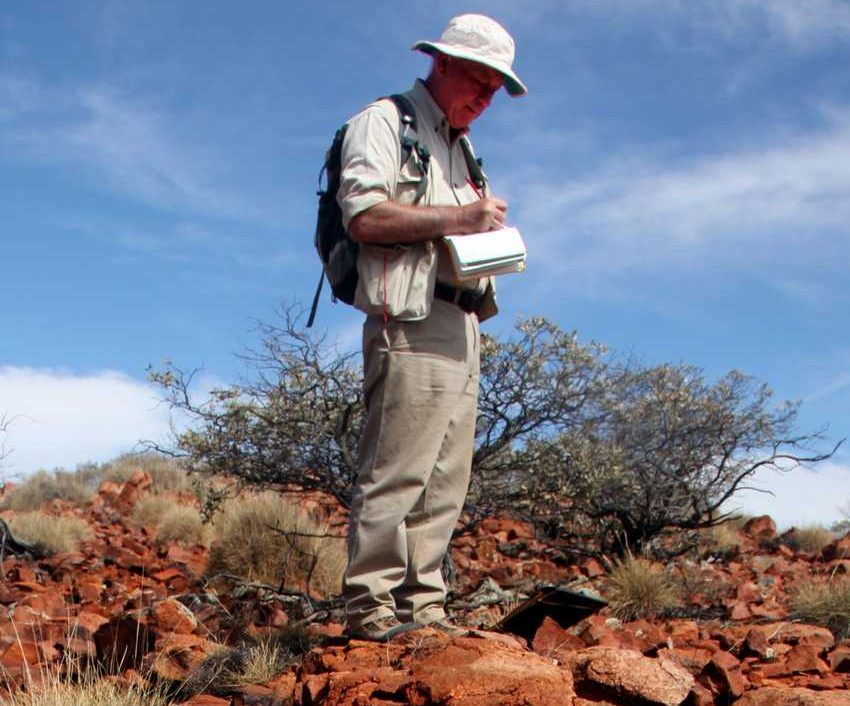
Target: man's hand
483 215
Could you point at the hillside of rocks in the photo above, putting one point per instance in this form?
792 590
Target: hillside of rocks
146 612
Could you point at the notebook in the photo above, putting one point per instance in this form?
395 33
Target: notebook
495 252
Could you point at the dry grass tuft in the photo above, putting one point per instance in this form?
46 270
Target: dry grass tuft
171 521
256 661
166 473
150 510
92 692
48 533
811 538
44 486
824 603
183 524
264 538
637 589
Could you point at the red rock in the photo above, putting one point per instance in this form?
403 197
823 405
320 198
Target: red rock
314 689
693 659
839 549
551 639
172 616
839 659
722 675
476 672
760 528
659 681
90 589
758 642
740 611
804 634
804 658
206 700
789 696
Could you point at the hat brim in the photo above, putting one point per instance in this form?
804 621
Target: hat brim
513 85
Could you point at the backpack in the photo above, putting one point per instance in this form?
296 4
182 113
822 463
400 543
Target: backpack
335 246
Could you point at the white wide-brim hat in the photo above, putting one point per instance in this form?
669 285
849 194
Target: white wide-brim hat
481 39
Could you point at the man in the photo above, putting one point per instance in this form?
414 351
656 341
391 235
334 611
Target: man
420 338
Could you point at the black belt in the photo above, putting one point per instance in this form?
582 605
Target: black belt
467 299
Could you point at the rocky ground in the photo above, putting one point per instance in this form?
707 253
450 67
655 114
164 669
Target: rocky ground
124 599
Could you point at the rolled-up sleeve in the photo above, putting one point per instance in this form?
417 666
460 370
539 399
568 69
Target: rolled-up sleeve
370 160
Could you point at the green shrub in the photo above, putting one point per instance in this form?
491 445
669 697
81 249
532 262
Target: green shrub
824 603
48 533
636 589
267 539
44 486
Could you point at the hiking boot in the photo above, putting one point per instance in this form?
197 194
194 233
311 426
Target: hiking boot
380 630
445 626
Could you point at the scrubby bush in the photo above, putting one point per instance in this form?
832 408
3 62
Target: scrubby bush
44 486
824 603
149 511
636 589
48 533
593 452
266 538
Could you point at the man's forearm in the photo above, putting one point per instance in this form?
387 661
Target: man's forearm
389 222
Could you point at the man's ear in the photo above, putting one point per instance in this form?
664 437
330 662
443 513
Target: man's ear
441 64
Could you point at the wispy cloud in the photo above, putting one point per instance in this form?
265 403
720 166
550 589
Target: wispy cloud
119 143
758 204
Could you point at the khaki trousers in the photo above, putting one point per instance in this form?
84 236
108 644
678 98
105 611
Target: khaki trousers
421 392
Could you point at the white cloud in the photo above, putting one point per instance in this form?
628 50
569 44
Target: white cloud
58 419
750 205
800 497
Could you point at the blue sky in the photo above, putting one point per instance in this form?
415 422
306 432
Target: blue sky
680 171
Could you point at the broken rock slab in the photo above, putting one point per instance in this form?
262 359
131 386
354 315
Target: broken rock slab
627 677
793 696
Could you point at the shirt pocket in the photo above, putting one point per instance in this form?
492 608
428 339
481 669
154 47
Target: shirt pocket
410 185
396 280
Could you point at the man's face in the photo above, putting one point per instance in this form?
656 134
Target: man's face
468 90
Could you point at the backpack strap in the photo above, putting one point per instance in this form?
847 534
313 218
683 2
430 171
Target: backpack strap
473 165
410 145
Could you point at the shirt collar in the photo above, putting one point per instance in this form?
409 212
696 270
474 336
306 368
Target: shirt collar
432 115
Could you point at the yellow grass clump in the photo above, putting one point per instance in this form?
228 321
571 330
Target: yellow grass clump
44 486
171 521
268 539
637 589
824 603
48 533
